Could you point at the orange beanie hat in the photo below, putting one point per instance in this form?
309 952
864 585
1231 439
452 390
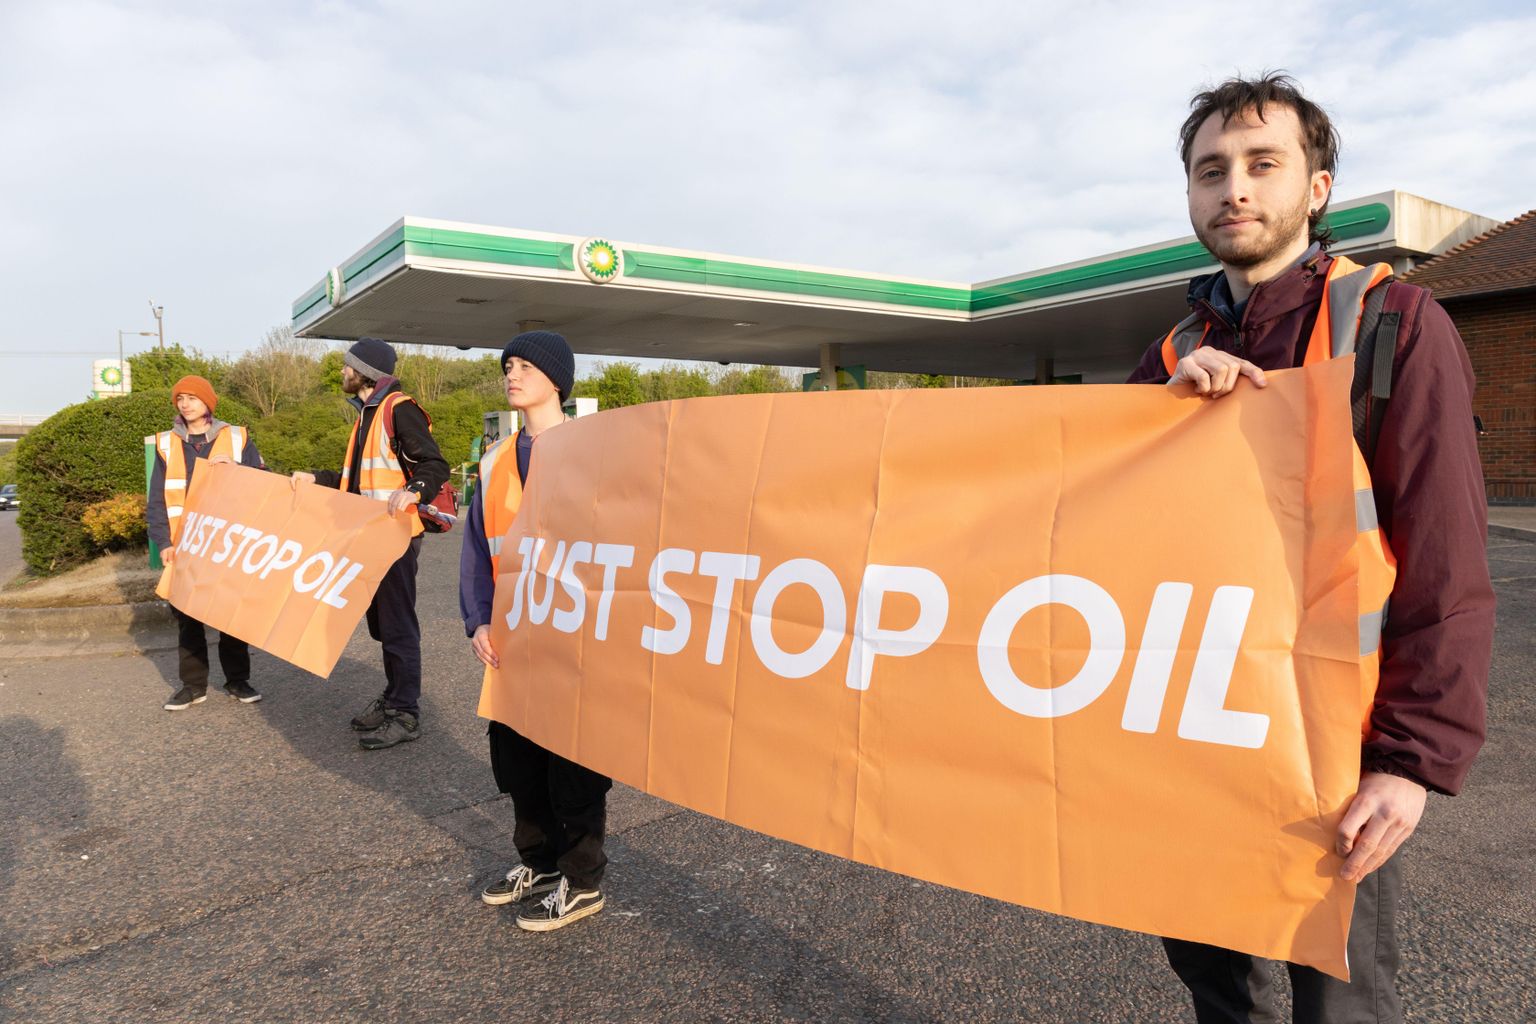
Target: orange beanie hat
197 387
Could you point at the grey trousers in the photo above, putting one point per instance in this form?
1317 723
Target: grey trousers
1234 988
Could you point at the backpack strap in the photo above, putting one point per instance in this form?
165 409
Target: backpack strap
1374 354
387 410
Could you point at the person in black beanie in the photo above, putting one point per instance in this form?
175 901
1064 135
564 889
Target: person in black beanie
402 473
559 807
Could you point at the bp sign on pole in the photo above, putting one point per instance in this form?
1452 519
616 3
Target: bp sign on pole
110 377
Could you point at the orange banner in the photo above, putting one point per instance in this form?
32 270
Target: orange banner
290 571
1092 650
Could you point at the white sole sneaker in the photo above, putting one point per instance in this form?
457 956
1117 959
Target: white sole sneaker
497 899
172 706
549 924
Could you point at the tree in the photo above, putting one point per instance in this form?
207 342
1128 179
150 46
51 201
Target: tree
423 373
162 368
758 380
673 381
280 372
618 385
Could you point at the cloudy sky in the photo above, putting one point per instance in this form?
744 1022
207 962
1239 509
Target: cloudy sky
218 157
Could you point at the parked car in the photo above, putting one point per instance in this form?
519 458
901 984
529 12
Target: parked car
10 498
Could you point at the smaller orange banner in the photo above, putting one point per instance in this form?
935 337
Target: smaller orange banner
288 570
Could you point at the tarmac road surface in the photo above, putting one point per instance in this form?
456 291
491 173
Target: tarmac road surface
249 863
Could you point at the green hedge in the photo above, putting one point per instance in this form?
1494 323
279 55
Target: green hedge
82 455
309 436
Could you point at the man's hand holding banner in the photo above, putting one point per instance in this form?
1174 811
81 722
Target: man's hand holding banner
1088 649
290 570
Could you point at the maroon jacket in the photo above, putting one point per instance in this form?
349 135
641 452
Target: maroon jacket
1428 720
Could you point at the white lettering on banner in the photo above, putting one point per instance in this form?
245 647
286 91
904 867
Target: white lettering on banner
333 595
1154 662
1204 717
529 549
228 548
668 641
287 554
834 611
255 559
870 639
301 581
727 570
1106 646
569 620
261 554
612 557
538 610
247 534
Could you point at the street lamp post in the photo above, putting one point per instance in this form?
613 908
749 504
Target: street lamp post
159 312
120 333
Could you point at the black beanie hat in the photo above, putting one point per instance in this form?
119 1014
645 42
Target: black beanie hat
372 357
549 352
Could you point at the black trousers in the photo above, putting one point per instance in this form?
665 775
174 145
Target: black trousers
192 637
392 622
560 808
1234 988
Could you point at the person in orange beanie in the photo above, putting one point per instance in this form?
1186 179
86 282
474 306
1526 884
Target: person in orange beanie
195 434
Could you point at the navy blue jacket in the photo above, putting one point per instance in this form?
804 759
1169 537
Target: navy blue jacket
154 512
477 579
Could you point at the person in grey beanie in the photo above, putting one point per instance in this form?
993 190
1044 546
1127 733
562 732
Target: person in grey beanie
402 473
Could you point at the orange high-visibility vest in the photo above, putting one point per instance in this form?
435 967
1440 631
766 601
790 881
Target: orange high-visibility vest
227 440
501 493
1333 335
379 472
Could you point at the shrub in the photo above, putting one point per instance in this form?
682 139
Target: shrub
117 521
308 436
82 455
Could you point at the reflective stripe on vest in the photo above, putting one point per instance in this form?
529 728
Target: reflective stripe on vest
229 441
379 473
1334 334
501 493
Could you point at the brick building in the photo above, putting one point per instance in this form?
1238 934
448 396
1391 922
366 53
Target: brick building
1488 285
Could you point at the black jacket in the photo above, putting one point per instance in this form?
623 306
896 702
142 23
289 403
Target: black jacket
425 468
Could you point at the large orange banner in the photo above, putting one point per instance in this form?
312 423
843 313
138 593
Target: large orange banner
288 570
1092 650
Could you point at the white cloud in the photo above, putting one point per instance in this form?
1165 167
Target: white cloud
219 158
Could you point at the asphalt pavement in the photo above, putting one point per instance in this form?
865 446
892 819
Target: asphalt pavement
248 863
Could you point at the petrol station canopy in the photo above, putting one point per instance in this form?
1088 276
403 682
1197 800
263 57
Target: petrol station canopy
471 286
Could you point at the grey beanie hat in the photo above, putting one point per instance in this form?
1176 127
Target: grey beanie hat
371 357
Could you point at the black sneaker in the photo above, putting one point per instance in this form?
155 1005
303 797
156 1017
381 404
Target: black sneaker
398 727
562 907
242 692
519 883
371 718
185 698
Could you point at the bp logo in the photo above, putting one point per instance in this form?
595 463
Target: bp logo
335 287
599 259
111 376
